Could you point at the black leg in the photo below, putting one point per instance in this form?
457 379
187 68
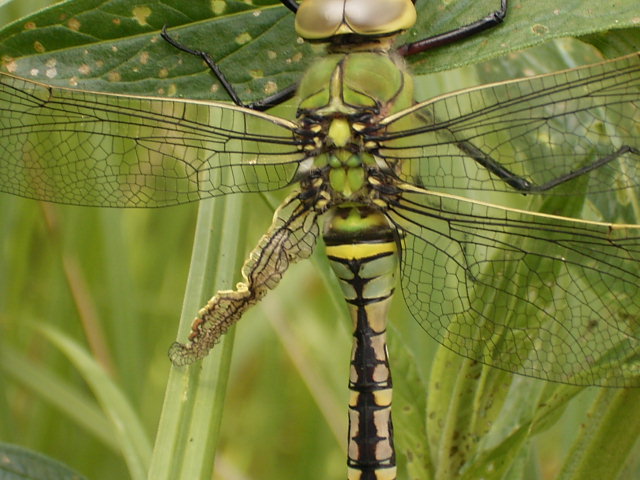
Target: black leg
586 169
524 186
261 105
460 33
504 174
290 4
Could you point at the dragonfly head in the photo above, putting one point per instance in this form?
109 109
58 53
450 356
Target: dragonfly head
326 20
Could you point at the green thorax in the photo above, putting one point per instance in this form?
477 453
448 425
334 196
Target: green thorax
342 97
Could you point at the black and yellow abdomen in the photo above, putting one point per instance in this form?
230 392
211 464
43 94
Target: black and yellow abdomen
362 249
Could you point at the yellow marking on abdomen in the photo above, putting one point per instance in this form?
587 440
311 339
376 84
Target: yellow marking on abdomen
360 250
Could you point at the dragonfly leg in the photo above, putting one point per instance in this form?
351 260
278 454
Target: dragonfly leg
490 21
495 167
586 169
290 4
260 105
525 186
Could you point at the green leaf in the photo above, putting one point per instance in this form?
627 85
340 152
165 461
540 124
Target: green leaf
528 23
452 389
494 463
69 400
114 45
551 405
606 438
616 42
17 463
132 438
409 411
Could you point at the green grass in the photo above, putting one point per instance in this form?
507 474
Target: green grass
90 300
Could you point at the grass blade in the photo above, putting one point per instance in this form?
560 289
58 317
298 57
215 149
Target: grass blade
192 411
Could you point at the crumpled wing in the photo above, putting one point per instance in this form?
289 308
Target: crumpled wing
291 237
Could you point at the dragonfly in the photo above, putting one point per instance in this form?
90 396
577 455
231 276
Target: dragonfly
391 186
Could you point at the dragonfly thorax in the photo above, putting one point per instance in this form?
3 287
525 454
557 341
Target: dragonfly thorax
346 173
340 160
353 83
343 97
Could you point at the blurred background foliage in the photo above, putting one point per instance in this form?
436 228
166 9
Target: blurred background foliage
113 282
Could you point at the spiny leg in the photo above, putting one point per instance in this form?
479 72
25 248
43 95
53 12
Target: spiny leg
512 179
525 186
460 33
261 105
290 4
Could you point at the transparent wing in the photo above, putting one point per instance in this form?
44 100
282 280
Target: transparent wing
543 296
537 135
86 148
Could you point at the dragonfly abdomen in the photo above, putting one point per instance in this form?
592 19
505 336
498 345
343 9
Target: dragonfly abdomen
365 260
